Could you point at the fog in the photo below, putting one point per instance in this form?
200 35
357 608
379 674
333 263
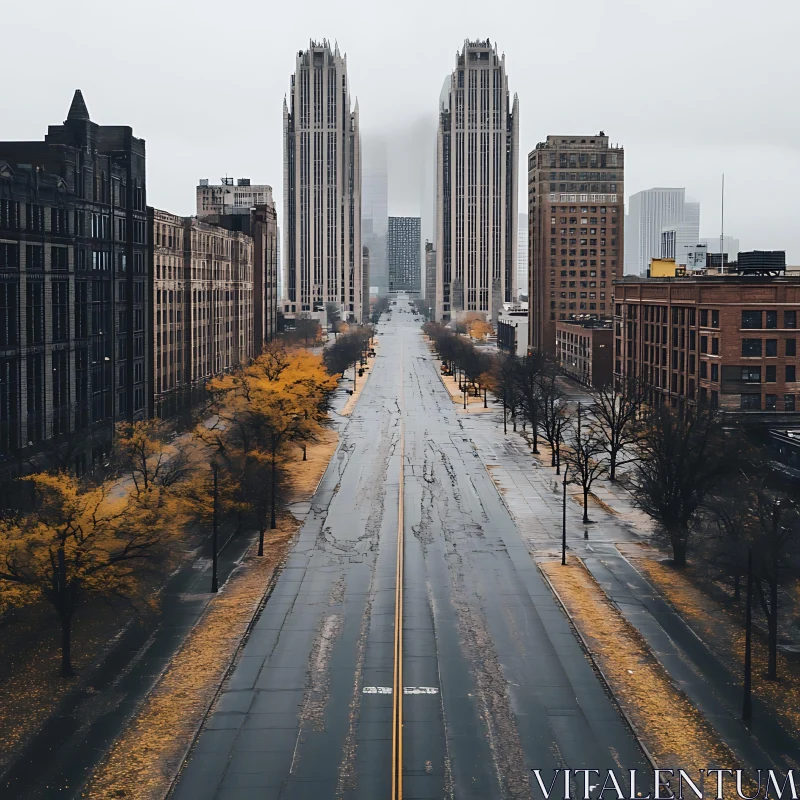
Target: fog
691 88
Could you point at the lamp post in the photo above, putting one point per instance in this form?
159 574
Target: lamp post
214 584
564 520
747 704
505 413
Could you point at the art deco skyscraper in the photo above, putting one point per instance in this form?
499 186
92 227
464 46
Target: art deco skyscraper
322 188
476 186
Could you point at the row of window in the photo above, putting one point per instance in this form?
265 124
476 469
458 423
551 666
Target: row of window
754 402
756 319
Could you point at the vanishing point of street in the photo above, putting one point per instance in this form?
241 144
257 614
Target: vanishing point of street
410 647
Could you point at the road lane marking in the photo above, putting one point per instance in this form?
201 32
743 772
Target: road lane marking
420 690
397 706
377 690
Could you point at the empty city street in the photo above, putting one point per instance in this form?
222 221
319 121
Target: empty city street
494 683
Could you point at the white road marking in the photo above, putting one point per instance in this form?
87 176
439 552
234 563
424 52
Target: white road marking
377 690
420 690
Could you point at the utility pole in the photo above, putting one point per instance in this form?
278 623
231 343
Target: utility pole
214 585
505 413
747 705
564 520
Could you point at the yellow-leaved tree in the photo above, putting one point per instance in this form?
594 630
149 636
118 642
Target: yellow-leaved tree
75 543
259 413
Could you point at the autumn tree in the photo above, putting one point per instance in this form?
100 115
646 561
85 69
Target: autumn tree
583 456
617 406
147 460
681 455
480 329
78 543
307 329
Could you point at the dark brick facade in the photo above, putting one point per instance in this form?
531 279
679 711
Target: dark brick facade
584 352
74 291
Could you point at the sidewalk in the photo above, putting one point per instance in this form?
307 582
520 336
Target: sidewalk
533 494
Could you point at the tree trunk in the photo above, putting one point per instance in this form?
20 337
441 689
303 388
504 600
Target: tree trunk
66 647
261 540
612 467
535 437
772 623
678 549
305 458
585 505
272 523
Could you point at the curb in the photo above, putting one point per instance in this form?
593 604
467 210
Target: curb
597 667
228 670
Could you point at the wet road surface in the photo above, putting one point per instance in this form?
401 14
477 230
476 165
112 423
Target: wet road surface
494 682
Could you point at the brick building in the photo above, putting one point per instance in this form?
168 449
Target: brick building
74 302
203 292
728 340
584 351
576 193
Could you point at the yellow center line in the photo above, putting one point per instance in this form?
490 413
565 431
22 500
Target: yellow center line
397 692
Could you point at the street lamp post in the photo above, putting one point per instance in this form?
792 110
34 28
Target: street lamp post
214 584
564 520
505 413
747 705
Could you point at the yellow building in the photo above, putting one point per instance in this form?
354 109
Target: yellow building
665 268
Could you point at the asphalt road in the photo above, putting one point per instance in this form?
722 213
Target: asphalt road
495 682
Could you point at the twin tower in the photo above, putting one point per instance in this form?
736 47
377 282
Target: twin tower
476 189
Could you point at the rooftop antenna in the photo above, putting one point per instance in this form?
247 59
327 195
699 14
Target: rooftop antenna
722 229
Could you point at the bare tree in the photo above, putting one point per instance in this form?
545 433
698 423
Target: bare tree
554 416
681 456
616 408
584 457
527 378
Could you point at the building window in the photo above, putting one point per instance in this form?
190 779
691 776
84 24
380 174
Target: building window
791 371
751 319
788 402
770 374
704 344
703 369
715 372
715 347
703 317
751 347
789 319
772 402
715 319
791 347
772 319
750 402
60 310
751 374
771 349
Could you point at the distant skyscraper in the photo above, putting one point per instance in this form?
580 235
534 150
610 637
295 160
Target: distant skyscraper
522 255
430 273
650 213
403 244
730 246
476 180
576 231
322 188
374 212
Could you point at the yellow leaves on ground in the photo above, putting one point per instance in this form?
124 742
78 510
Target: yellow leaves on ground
723 633
673 730
143 761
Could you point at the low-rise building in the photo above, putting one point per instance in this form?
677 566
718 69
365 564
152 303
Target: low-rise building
584 350
729 340
227 198
512 329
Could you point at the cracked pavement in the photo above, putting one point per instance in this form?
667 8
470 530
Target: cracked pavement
507 687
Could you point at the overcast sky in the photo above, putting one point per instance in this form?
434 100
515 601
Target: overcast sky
691 88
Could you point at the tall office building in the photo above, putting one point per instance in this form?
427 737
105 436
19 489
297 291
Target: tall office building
403 243
322 188
522 255
651 213
375 212
75 315
476 186
575 205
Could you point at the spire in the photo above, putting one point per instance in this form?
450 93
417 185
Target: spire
78 110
